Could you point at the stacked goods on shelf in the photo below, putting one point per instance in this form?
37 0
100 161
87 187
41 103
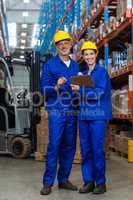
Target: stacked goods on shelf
95 6
111 132
121 142
42 136
129 54
118 138
82 9
120 101
102 30
119 60
124 9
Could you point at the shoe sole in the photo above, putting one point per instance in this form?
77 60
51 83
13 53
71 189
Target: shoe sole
85 192
42 193
45 193
99 192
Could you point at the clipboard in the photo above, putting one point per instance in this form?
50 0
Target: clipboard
82 81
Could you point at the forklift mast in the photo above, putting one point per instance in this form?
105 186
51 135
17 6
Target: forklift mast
33 63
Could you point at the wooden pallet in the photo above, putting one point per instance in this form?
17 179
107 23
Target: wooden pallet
39 156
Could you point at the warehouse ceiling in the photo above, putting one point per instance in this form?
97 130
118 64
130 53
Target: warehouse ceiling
22 18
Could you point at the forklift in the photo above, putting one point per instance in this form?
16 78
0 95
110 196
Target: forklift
18 115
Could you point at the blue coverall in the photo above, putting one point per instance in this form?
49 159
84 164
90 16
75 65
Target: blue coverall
62 122
95 111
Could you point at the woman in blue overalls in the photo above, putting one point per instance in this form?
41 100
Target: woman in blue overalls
95 111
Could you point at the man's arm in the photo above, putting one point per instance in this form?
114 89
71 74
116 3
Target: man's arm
46 85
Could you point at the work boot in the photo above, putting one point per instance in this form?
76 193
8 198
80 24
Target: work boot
99 189
68 186
87 187
46 190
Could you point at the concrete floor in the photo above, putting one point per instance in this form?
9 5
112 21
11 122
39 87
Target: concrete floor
21 180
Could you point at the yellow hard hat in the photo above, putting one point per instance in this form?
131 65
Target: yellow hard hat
89 45
61 35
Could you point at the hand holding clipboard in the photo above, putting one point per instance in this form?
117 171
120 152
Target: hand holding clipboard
82 81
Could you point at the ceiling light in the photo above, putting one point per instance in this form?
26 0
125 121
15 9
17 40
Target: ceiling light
23 41
24 25
34 35
23 34
12 34
22 57
25 14
26 1
22 47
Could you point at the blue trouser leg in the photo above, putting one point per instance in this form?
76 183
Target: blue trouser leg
86 151
56 128
98 131
92 139
67 149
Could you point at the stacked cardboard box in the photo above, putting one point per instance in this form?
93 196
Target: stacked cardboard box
112 130
119 60
124 141
120 101
121 144
77 158
123 8
119 136
129 53
42 136
42 140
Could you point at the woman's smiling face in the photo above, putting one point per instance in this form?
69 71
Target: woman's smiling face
89 55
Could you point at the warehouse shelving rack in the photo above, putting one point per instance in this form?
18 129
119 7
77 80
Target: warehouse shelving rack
90 19
55 15
4 38
125 25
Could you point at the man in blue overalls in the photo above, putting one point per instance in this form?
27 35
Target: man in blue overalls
62 123
95 111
